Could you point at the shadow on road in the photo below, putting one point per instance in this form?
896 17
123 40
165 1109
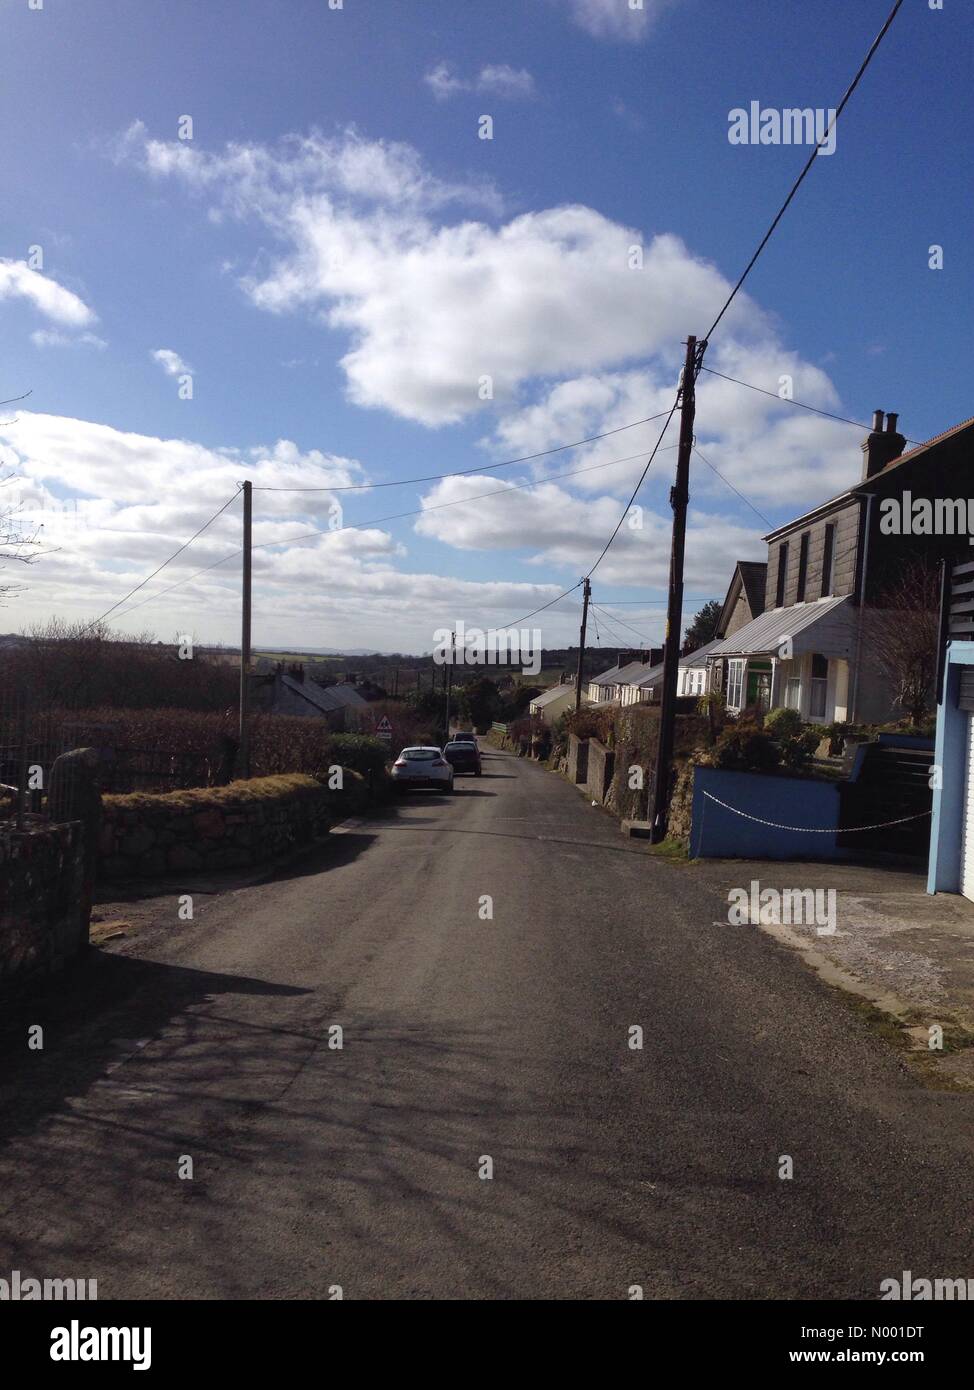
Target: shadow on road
93 1013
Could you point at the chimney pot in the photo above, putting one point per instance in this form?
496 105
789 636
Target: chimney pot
880 447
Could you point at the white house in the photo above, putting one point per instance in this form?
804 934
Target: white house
552 704
645 684
608 686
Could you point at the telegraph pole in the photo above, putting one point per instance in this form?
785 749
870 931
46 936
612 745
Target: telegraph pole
243 754
679 499
586 595
448 682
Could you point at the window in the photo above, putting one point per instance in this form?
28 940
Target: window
818 694
791 684
828 560
802 568
735 684
779 599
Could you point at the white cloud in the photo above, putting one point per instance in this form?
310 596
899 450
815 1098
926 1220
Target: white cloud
86 484
559 529
267 181
772 451
51 337
170 362
494 79
443 83
628 21
54 301
433 307
500 79
547 305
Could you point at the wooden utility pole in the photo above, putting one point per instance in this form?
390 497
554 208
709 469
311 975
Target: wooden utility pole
448 682
679 499
243 754
586 595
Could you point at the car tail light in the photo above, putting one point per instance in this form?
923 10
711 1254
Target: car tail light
400 762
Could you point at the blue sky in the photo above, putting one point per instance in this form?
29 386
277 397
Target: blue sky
338 259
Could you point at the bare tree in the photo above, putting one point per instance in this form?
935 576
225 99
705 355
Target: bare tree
905 629
17 544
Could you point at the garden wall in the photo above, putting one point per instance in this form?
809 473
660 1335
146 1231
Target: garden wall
243 824
601 761
577 759
43 911
811 806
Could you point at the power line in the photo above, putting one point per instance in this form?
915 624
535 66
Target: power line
690 598
376 521
616 619
787 400
514 621
464 472
639 484
733 489
172 557
811 159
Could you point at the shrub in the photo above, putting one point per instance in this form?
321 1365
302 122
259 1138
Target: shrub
837 732
796 752
746 748
783 723
361 752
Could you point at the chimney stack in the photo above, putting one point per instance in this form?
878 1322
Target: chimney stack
881 447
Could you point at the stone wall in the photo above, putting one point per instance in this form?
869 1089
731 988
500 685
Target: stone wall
43 918
230 827
601 763
577 759
680 820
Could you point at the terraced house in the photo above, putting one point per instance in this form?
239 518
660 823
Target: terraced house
818 645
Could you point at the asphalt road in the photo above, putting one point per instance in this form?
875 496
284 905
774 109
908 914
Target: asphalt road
468 1037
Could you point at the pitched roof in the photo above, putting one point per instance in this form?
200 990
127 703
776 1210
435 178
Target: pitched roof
699 657
325 698
610 677
768 632
749 578
650 674
555 693
754 574
346 695
867 484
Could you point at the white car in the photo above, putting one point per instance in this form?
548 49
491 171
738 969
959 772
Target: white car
422 767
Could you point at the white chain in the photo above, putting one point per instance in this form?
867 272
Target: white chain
815 829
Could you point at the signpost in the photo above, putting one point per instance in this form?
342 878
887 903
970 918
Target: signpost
383 729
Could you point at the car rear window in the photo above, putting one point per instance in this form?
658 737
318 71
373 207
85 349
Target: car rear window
419 755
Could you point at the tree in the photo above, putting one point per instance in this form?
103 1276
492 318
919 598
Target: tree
16 544
906 631
703 629
479 702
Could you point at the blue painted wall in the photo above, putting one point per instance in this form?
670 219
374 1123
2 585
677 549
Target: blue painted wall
951 756
717 833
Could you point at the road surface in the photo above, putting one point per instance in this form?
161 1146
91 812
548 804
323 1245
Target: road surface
470 1037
